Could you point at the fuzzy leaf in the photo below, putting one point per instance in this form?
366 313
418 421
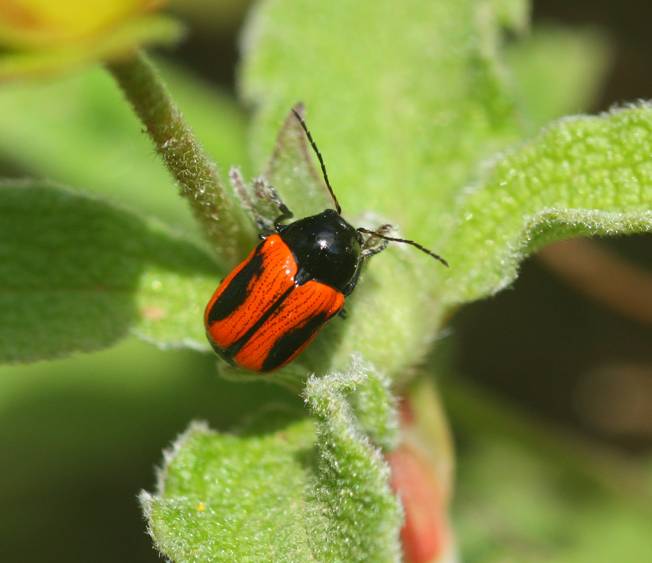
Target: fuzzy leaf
284 489
399 122
580 176
77 274
79 131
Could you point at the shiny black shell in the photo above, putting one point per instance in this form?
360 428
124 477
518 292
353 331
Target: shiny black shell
326 248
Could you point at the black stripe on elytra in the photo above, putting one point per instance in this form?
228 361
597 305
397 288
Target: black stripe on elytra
238 344
219 351
288 344
237 291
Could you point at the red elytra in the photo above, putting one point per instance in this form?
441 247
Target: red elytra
258 318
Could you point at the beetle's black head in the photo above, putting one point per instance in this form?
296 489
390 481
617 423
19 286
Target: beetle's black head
326 247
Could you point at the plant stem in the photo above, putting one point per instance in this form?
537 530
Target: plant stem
197 175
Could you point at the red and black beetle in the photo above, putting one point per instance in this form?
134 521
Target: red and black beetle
272 305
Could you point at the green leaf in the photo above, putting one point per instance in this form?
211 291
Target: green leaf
580 176
399 122
80 131
558 71
77 274
283 489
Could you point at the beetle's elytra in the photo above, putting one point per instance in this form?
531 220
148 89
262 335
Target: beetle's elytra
272 305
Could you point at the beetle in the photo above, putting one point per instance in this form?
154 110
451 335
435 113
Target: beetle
273 304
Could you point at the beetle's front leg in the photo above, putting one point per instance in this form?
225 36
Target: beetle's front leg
263 225
266 192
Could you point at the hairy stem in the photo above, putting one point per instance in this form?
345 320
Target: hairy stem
195 172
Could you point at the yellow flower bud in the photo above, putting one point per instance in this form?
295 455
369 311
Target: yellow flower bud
44 36
41 23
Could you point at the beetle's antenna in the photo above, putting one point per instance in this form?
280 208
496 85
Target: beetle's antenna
406 241
321 160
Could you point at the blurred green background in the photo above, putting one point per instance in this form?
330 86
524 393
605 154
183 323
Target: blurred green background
549 392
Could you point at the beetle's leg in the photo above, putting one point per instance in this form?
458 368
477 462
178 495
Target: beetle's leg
364 256
349 287
263 225
267 192
370 246
284 216
372 249
373 245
